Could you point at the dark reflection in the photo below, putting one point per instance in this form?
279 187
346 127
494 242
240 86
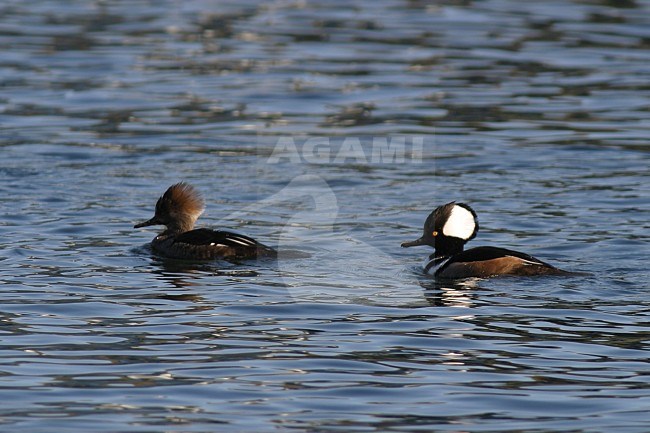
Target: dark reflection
72 43
186 273
451 293
185 297
182 274
622 4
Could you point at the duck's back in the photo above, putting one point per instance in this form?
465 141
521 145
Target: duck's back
489 261
206 244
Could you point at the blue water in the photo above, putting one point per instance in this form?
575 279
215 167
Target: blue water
536 114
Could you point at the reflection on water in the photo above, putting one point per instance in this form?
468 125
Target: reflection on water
460 293
534 113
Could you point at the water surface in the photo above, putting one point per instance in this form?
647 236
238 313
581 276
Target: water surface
535 114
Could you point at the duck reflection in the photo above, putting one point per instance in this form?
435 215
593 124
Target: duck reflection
451 293
183 273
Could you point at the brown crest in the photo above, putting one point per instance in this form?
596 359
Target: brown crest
182 198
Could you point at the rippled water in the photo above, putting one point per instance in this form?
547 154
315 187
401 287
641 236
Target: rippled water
534 113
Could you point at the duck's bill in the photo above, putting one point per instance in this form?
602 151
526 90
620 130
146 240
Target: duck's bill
415 243
152 222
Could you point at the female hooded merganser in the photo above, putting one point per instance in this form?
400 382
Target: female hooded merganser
178 209
449 227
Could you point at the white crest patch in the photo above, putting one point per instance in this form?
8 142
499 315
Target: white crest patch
461 223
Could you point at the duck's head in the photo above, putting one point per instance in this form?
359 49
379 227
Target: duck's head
448 228
178 208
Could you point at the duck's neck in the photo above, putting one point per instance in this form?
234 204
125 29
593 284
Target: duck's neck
450 247
179 226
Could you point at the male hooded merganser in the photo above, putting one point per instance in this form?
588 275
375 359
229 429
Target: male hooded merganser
449 227
178 210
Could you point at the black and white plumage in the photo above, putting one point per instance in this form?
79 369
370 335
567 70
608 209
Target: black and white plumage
178 209
449 227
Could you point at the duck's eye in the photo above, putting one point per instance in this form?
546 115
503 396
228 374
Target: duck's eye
435 233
